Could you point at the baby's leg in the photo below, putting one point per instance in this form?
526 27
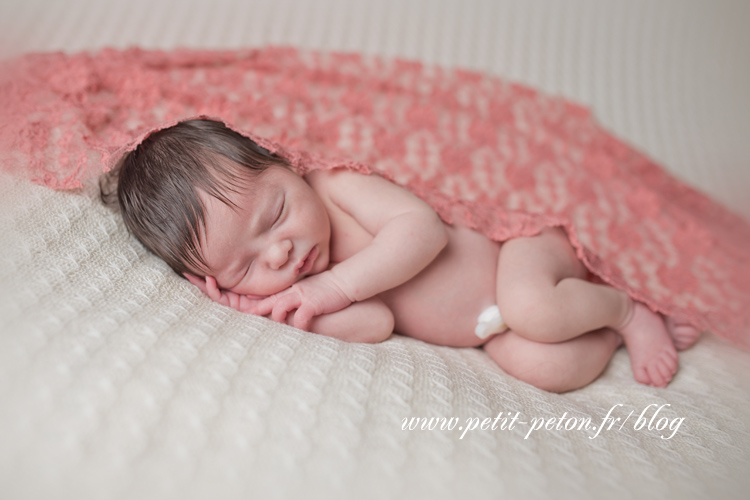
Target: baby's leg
542 295
542 292
559 367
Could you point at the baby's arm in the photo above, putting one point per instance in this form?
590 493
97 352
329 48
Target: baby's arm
369 321
408 235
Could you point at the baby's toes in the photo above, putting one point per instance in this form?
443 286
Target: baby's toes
683 334
640 374
666 370
655 375
666 365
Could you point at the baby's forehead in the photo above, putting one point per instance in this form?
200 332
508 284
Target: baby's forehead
243 200
229 207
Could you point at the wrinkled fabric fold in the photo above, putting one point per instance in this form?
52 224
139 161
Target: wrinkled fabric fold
484 152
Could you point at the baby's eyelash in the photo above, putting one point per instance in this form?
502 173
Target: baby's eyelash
281 212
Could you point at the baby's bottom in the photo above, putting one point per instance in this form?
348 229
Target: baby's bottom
554 367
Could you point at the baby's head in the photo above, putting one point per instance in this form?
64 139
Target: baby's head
161 185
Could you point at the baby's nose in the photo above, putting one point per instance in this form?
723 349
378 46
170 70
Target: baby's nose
279 254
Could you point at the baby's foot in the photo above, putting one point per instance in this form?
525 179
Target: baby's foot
653 356
684 335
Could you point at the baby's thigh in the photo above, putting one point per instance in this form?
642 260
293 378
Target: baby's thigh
537 261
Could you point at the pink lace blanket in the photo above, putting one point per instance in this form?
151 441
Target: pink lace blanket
494 155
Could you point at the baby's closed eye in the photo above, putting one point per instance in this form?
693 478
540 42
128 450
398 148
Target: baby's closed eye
237 276
280 213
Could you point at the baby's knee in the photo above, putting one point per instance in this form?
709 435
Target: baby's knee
527 311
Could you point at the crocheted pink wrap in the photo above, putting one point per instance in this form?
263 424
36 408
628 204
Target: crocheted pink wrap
487 153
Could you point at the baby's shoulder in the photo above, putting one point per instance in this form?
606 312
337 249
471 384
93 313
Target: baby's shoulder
318 179
335 182
326 177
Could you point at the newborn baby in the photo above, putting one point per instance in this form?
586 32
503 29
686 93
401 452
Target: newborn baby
356 257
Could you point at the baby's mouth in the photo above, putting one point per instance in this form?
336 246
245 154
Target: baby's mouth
308 261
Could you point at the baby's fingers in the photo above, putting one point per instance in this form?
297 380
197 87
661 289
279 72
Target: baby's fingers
302 318
233 299
195 280
247 304
212 290
283 305
264 307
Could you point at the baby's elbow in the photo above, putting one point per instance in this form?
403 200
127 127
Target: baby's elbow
375 322
378 327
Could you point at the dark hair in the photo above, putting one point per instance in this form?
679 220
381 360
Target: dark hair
157 185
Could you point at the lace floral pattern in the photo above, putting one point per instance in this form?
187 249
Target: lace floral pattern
494 155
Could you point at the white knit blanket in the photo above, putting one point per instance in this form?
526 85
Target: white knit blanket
120 380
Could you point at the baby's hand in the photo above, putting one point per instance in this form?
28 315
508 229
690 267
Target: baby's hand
242 303
312 296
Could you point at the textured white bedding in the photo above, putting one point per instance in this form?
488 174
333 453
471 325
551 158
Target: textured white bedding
119 380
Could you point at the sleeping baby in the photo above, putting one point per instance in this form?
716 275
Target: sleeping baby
357 257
